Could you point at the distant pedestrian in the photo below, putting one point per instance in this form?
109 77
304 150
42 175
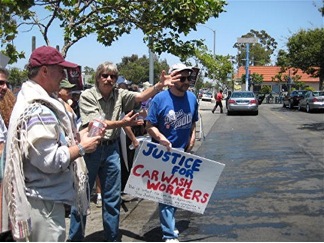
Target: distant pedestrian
219 97
44 164
166 109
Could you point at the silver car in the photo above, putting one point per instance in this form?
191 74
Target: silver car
208 96
242 101
313 100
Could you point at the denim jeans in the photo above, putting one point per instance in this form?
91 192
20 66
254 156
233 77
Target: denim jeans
167 221
105 163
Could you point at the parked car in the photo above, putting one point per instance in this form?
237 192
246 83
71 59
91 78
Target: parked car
207 96
313 100
291 100
243 101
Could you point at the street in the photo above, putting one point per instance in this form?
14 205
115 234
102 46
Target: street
272 186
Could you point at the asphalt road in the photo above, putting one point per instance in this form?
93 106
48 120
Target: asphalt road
272 187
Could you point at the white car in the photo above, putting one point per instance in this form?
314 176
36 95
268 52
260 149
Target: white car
208 96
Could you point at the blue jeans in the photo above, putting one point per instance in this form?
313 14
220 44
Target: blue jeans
105 163
167 221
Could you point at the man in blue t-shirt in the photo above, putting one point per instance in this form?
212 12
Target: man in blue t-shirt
171 122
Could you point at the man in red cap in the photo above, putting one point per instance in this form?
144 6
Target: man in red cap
44 163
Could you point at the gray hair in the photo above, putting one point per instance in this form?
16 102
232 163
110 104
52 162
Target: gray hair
32 71
105 67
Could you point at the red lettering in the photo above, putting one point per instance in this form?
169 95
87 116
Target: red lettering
155 174
135 170
187 194
196 195
165 178
152 185
169 189
205 198
147 174
179 191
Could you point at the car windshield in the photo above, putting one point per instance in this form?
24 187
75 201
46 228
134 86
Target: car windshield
318 93
242 95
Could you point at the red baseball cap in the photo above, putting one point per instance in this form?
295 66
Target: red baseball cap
46 55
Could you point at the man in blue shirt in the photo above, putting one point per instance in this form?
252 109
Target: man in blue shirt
171 122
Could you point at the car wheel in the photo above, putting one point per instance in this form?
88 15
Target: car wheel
308 108
256 113
290 106
229 113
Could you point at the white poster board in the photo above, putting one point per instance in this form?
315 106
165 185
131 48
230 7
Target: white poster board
173 177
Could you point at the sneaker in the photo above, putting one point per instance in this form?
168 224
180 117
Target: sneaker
99 203
213 112
172 240
176 231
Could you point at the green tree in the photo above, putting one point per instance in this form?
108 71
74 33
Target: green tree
136 69
162 22
218 67
9 9
305 51
17 77
260 53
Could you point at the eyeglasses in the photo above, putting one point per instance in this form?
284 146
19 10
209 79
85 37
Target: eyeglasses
183 79
106 75
3 82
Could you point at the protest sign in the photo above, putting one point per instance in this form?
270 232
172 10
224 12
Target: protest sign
173 177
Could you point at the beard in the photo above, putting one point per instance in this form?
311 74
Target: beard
181 87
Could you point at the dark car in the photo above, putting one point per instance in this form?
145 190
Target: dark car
291 100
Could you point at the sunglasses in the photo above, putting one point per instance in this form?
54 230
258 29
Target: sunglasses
3 82
183 79
106 75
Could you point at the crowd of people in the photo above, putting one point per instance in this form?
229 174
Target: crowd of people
51 159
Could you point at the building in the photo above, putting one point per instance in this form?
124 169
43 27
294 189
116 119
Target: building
269 73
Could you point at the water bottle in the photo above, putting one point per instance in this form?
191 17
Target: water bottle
97 125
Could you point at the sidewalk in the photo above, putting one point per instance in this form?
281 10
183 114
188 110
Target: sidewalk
136 213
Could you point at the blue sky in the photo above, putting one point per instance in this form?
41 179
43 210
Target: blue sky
279 18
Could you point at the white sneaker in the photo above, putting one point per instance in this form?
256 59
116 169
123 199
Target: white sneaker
176 231
172 240
99 203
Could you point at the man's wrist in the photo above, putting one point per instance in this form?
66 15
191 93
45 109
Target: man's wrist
157 87
81 149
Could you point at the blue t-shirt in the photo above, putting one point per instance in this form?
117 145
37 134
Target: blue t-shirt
174 116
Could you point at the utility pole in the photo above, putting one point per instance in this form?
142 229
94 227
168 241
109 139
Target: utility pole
151 65
247 42
214 32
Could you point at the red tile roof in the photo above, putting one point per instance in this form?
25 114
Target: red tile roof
271 71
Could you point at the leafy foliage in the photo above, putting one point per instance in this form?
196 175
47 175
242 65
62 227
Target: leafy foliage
260 53
162 22
136 69
218 67
305 51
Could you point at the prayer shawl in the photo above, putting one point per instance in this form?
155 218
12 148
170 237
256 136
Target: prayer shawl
31 97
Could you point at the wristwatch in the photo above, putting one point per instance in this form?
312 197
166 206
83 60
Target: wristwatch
81 150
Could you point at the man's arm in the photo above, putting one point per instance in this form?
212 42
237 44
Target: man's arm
192 138
157 135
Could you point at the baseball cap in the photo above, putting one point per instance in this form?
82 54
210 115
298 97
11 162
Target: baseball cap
65 84
147 85
46 55
179 67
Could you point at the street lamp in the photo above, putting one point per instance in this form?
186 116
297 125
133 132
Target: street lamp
247 42
214 31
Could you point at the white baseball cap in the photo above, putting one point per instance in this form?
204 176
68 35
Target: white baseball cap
179 67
